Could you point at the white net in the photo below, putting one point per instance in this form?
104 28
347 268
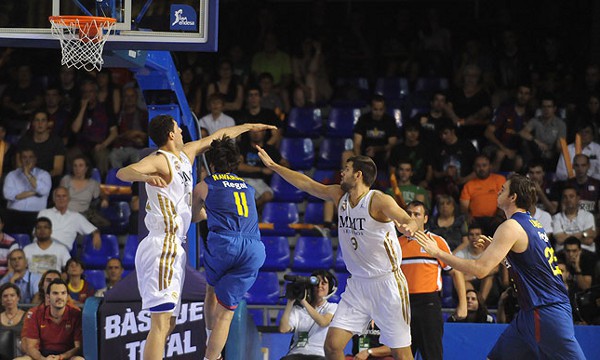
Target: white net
82 39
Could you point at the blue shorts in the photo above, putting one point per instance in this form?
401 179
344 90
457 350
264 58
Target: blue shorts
232 264
543 333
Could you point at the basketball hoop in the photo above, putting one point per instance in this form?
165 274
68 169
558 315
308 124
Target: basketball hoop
82 39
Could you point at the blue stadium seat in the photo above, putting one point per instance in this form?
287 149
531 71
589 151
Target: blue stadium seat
96 175
278 253
313 214
312 253
330 153
341 121
300 153
22 239
394 109
358 85
342 279
131 246
265 290
96 278
431 84
447 288
97 259
304 122
280 214
118 213
111 179
392 87
283 191
340 265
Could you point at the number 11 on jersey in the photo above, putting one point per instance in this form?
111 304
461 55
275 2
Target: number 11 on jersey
241 203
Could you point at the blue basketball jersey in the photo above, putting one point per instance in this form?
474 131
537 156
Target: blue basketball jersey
534 272
230 206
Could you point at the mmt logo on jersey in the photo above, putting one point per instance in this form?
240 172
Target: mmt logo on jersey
183 17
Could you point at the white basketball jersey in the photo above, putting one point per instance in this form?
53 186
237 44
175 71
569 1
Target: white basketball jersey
169 209
370 248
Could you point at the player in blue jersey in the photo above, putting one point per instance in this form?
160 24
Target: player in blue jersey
234 251
543 328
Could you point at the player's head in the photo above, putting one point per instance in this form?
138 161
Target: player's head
160 129
522 189
358 168
224 155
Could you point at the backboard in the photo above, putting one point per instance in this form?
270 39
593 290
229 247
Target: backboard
174 25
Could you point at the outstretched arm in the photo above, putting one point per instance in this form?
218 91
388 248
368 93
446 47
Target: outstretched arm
504 239
195 148
384 208
148 170
301 181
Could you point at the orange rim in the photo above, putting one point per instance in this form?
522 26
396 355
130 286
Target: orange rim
75 20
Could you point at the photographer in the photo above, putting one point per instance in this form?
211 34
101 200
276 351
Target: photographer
310 318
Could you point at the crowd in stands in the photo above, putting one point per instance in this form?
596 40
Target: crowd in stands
446 112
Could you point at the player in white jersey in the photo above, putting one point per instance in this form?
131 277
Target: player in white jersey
377 289
160 258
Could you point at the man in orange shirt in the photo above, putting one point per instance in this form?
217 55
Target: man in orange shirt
423 274
479 196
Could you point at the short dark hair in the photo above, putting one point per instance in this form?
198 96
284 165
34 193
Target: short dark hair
535 163
475 225
524 188
55 282
404 160
159 128
331 279
265 75
415 203
224 155
548 97
445 124
378 98
10 285
572 240
412 124
253 87
43 219
568 187
216 97
367 166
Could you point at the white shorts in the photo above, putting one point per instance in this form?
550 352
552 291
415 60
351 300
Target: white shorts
259 185
160 266
384 300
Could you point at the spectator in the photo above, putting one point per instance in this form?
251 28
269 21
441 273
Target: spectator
69 87
254 171
417 151
108 92
54 329
543 134
309 318
423 275
469 105
11 317
545 190
79 289
20 99
192 88
375 134
49 149
273 61
455 156
588 147
503 132
512 61
25 280
7 244
545 219
114 274
310 72
59 118
216 119
84 193
449 223
478 198
45 254
132 129
271 99
254 113
580 265
591 114
403 190
573 221
508 306
477 311
587 187
472 252
7 156
67 224
228 84
47 278
26 190
435 115
95 127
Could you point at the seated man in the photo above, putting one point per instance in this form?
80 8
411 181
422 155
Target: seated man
309 318
580 265
54 329
114 274
573 221
45 253
21 276
404 187
474 252
67 224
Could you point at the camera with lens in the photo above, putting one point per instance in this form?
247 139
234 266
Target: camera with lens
300 287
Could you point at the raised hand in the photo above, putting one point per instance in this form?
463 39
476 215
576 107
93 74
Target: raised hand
483 242
427 243
407 229
266 159
259 127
